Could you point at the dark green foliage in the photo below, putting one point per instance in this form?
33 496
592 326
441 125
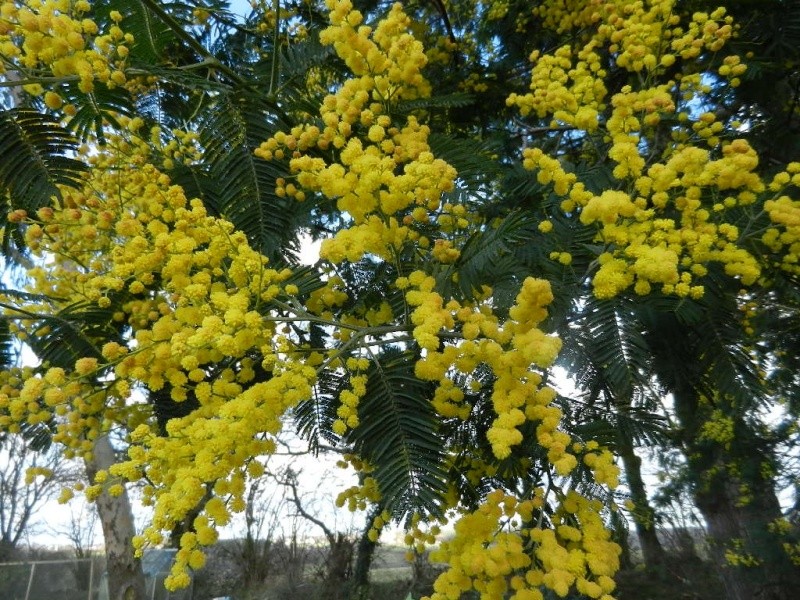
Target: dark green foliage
7 345
489 258
153 37
398 436
37 157
769 95
241 186
314 417
698 345
473 159
294 63
605 350
96 110
72 333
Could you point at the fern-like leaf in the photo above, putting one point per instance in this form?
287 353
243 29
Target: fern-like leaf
314 417
96 109
37 157
488 257
244 184
7 342
607 351
72 333
397 435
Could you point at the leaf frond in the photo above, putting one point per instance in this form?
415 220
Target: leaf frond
38 157
397 434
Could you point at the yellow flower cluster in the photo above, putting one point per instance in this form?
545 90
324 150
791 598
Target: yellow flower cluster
646 247
330 296
378 523
14 407
736 556
564 15
182 147
569 82
347 412
58 36
430 315
383 171
600 460
357 497
497 10
783 238
197 299
641 35
718 428
576 554
572 91
421 535
509 350
670 214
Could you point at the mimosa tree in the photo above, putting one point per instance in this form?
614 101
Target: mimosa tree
483 176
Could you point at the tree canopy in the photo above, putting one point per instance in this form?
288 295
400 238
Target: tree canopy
498 187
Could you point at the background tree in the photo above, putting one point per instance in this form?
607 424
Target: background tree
29 479
80 530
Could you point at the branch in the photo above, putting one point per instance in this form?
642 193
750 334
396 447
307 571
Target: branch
179 31
31 80
273 72
291 483
543 129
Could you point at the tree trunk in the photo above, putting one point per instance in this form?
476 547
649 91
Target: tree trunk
365 554
8 551
644 515
740 533
735 493
125 576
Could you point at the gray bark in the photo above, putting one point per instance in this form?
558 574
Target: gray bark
775 577
125 575
741 525
644 515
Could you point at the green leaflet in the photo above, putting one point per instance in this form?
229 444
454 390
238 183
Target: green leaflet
398 436
37 157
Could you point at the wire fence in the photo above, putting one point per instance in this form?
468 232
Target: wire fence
76 579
